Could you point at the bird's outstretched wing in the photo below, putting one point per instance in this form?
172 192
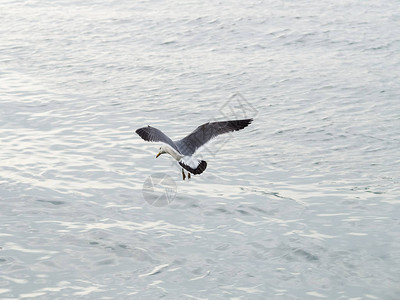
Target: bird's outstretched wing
206 132
152 134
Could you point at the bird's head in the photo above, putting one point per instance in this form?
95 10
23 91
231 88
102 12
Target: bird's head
162 151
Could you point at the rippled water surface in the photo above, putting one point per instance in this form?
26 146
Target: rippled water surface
302 204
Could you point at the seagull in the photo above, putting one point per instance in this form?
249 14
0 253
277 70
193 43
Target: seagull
183 150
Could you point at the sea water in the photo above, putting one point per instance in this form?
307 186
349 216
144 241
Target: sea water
302 204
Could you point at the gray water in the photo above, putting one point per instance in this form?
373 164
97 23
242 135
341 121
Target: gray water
302 204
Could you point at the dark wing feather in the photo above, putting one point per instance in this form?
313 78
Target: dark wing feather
206 132
152 134
198 170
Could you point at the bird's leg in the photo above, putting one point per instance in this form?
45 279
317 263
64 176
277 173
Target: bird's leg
188 175
183 175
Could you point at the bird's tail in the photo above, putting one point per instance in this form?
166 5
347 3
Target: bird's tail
193 165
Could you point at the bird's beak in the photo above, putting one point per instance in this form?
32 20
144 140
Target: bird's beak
159 153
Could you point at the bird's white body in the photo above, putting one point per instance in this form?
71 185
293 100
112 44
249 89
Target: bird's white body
186 159
170 151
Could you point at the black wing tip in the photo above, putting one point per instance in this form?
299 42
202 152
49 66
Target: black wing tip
200 168
247 121
143 134
139 131
240 124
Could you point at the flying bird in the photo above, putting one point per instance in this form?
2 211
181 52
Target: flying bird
184 149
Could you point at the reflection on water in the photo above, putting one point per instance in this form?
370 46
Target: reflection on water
303 204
